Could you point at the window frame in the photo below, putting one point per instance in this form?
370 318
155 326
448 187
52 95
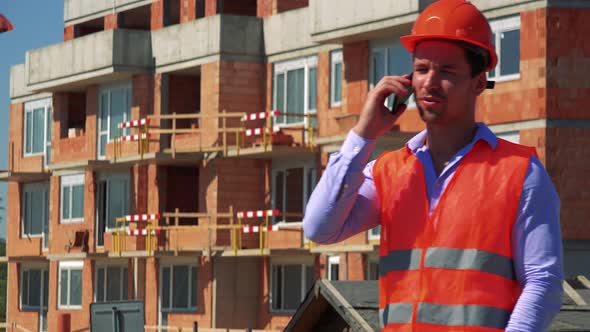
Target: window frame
108 89
70 266
282 68
333 261
383 47
336 57
498 26
43 269
123 269
71 181
372 259
30 188
309 169
304 287
29 108
192 307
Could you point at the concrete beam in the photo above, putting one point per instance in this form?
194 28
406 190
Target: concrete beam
101 56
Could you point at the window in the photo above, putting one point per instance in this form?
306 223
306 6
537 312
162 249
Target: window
34 288
72 198
37 124
375 233
35 213
336 78
333 267
112 202
111 283
388 59
114 108
291 188
70 285
506 37
178 288
295 90
289 284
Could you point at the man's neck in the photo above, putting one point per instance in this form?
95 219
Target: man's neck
444 142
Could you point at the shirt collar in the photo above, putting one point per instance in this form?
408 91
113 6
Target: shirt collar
483 133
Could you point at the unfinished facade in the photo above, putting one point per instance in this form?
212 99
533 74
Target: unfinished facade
140 144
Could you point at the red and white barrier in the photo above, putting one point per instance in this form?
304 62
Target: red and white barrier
259 131
257 229
260 116
258 214
142 232
142 217
134 123
130 138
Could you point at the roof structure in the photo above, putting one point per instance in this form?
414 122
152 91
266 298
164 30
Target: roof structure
354 306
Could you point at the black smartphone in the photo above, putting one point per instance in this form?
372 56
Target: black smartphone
402 100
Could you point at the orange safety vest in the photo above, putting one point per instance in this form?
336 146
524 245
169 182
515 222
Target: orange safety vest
451 270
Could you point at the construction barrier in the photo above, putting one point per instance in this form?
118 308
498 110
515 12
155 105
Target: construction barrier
143 136
266 132
121 229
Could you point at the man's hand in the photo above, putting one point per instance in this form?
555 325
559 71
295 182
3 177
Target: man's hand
375 119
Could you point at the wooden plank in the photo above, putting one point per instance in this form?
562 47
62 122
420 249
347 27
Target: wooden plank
571 292
197 116
584 281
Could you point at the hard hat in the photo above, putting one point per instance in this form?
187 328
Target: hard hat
453 20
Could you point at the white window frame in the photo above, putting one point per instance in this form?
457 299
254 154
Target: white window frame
30 188
309 169
30 107
336 58
114 177
71 181
373 235
333 261
27 268
108 89
192 307
69 266
306 63
498 27
123 269
383 47
304 287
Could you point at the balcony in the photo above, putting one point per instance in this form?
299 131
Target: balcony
219 37
360 19
76 11
92 59
293 23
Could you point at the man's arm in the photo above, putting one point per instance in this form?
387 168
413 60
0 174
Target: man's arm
344 201
538 253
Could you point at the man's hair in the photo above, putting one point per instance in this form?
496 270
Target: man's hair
476 56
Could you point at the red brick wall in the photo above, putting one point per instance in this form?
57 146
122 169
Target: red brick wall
210 7
187 10
69 32
111 21
26 319
525 98
567 58
157 15
266 8
568 157
284 5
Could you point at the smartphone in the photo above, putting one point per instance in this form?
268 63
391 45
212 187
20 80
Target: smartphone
402 100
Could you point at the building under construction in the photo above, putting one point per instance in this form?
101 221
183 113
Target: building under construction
166 149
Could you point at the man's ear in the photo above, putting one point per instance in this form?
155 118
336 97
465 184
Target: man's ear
481 82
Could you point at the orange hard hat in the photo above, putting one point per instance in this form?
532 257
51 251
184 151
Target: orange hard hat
453 20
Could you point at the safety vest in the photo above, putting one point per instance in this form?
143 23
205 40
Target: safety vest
451 270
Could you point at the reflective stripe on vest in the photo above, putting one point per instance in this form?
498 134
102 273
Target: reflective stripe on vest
399 260
448 315
448 258
470 259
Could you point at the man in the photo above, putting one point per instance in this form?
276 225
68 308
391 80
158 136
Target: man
470 235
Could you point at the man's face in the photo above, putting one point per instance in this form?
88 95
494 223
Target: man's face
445 90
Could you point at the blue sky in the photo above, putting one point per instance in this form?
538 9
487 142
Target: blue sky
37 23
